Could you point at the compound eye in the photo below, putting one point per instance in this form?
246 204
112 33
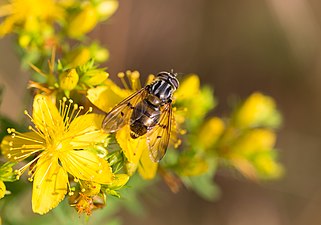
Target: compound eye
174 81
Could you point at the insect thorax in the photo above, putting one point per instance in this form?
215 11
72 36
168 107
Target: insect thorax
164 86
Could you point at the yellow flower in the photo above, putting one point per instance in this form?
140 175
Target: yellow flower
210 132
192 165
83 22
253 154
59 141
29 14
107 8
254 141
257 110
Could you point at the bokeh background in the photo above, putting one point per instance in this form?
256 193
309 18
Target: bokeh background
237 47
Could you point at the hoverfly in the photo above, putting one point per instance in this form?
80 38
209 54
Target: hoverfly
147 111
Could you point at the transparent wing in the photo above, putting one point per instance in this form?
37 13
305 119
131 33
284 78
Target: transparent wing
120 114
158 137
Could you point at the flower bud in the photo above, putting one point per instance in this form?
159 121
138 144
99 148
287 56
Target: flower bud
254 141
119 181
107 8
257 110
77 57
94 77
68 80
83 22
210 132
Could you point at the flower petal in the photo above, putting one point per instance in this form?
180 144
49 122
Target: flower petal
132 148
86 129
46 116
147 168
49 186
106 97
2 189
86 165
189 87
21 146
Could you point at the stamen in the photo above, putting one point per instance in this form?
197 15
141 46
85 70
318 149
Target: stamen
37 131
23 169
80 108
122 79
70 102
134 80
178 143
27 114
71 117
63 107
24 137
150 79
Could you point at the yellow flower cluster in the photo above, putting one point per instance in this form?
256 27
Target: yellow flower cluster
43 25
249 140
66 151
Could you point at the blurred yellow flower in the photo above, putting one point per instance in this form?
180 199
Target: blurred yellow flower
192 165
253 154
210 132
60 142
254 141
107 8
257 110
83 22
29 14
86 19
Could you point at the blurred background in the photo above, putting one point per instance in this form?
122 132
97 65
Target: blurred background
237 47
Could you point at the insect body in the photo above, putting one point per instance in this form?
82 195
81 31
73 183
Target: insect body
147 111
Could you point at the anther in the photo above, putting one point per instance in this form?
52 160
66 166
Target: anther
121 75
135 75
